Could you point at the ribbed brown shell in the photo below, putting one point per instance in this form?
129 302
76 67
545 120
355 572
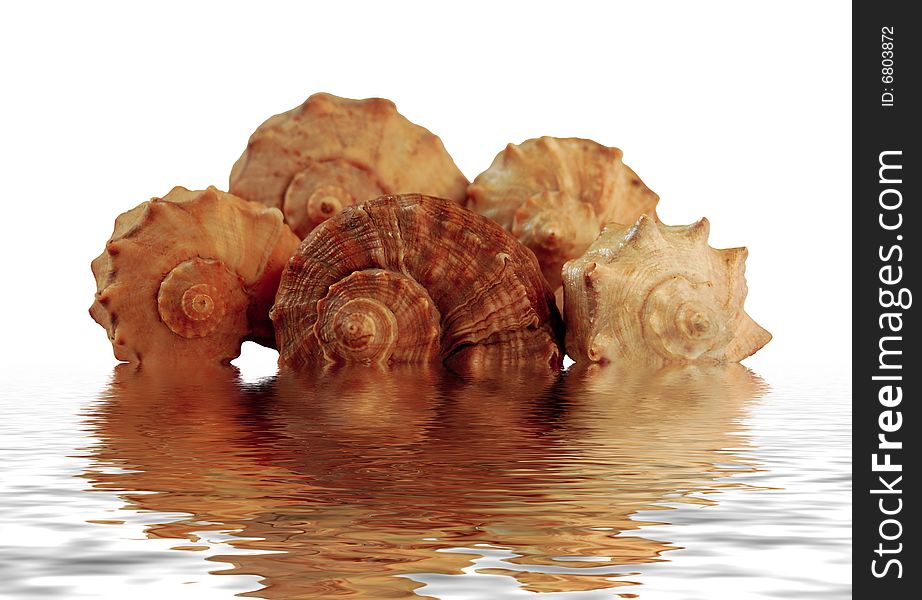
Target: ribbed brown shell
331 152
413 278
189 276
556 194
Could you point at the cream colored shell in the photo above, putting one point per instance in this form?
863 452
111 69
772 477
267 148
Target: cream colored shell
190 276
658 294
555 194
414 279
331 152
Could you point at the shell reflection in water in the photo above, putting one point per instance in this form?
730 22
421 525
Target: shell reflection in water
361 480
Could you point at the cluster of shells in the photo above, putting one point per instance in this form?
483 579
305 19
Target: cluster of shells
349 236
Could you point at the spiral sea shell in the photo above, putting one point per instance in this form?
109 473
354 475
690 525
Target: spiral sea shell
331 152
658 294
190 276
414 279
555 194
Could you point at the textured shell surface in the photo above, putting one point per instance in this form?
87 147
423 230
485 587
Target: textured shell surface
658 294
556 194
414 279
331 152
190 276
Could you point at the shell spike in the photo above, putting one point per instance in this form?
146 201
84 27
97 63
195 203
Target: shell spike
735 259
643 234
749 339
699 231
512 153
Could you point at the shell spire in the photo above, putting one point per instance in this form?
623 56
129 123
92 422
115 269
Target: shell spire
329 153
555 194
414 279
659 294
190 276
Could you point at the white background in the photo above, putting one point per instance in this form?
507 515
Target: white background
727 110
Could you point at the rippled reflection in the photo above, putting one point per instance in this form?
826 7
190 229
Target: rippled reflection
351 478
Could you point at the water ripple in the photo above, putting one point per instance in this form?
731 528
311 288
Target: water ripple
596 483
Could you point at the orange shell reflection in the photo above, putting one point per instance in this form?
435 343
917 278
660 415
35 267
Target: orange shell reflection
359 475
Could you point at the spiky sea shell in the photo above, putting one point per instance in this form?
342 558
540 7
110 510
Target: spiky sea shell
414 279
190 276
331 152
556 194
658 294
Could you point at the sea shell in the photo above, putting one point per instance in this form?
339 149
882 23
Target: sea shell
555 195
414 279
190 276
331 152
658 294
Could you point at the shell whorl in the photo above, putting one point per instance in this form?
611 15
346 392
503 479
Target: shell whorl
658 294
196 295
375 316
323 188
556 194
412 279
190 276
329 153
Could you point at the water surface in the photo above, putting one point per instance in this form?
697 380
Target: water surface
594 483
